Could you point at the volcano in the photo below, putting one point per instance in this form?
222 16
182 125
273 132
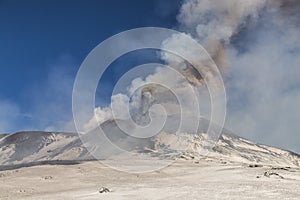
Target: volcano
35 147
58 165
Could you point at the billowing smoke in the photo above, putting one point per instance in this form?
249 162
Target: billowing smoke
255 44
163 87
215 24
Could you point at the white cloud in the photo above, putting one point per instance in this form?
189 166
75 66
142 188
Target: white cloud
263 81
10 116
266 79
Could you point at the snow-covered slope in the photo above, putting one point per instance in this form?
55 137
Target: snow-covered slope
25 148
30 147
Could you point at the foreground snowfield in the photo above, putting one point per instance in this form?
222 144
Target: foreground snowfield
46 165
185 179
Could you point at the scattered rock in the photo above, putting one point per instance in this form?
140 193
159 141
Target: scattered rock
254 165
281 168
7 173
187 156
48 177
103 190
270 174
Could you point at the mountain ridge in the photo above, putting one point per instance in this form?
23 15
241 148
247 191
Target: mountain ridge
27 148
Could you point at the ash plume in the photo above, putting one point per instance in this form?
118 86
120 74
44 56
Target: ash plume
255 44
215 24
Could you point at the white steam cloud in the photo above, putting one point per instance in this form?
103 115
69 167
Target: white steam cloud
259 42
143 93
256 45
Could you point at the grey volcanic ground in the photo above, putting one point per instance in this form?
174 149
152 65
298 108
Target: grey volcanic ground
46 165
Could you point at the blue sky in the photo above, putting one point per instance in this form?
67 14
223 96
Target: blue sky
43 43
